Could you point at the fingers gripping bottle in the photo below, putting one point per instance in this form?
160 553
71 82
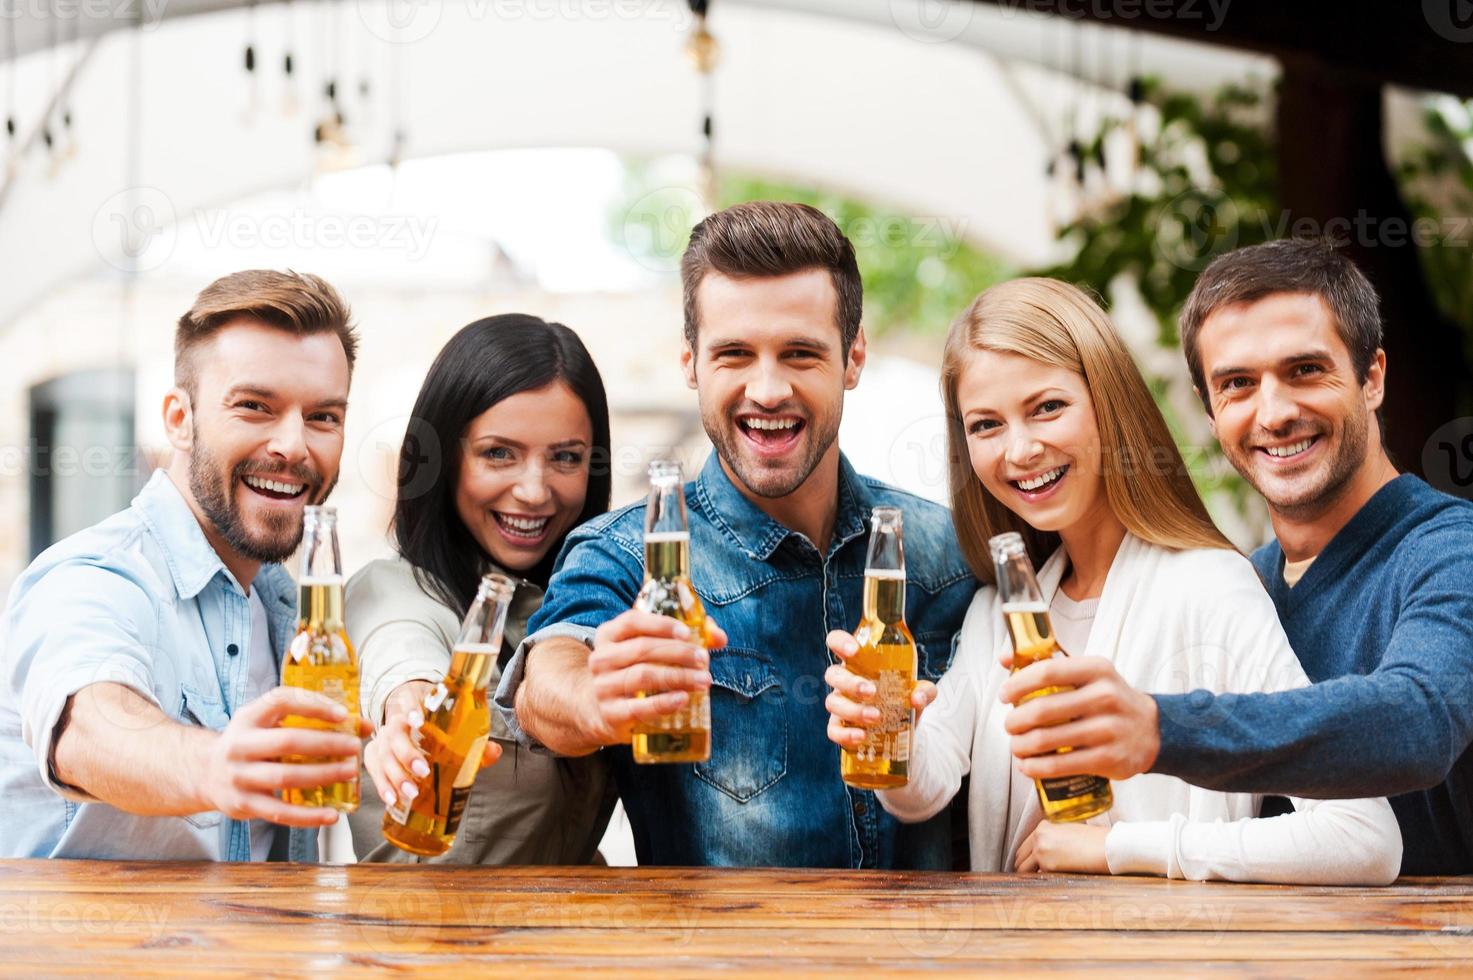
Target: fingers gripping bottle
887 658
320 658
456 726
683 735
1066 798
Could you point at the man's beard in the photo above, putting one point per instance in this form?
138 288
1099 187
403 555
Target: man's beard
1315 500
214 491
771 484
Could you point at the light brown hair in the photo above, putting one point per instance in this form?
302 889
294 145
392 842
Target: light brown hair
295 302
1145 477
761 239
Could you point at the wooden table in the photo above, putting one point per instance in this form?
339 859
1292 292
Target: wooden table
90 917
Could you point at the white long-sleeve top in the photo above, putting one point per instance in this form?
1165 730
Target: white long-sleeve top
1171 622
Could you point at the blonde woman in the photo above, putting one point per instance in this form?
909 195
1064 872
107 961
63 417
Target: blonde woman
1054 435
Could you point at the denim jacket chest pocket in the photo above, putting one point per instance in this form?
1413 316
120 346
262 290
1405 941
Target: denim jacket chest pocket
749 726
934 651
203 711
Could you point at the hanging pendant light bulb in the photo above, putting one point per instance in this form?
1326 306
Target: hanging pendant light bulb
704 52
253 88
702 48
289 103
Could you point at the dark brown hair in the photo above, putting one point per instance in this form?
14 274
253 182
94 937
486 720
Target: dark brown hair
1291 265
295 302
761 239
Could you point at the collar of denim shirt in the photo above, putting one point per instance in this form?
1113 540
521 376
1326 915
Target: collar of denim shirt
758 535
193 561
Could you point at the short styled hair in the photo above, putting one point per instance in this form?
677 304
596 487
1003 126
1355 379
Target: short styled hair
1290 265
762 239
295 302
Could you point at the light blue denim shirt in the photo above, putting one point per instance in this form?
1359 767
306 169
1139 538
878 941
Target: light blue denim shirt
771 793
141 599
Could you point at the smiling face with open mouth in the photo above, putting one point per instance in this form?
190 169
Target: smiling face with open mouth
266 434
771 375
1032 438
1287 408
524 474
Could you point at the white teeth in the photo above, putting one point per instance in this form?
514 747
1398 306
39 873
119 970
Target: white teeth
276 486
1295 449
529 526
771 425
1041 480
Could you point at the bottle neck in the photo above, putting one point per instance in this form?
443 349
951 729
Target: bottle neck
667 556
884 596
471 664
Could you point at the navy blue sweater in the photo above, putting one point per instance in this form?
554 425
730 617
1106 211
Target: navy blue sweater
1383 624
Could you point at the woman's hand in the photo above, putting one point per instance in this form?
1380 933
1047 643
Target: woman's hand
850 712
393 761
1077 847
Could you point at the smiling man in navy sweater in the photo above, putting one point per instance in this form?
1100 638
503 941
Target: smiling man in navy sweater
1371 572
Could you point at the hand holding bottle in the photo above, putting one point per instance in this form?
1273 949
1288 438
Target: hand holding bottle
394 761
850 711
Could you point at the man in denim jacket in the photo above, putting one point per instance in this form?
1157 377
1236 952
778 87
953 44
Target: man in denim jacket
778 522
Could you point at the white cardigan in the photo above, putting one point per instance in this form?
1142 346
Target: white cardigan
1171 622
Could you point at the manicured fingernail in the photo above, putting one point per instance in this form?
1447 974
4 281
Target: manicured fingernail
682 631
867 689
871 714
420 768
409 790
416 718
702 657
339 713
390 799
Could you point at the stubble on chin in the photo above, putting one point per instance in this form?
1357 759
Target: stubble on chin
1315 493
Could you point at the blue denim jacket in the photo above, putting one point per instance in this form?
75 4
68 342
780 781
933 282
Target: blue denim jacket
770 795
141 599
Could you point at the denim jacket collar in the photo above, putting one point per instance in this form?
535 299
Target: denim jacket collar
758 535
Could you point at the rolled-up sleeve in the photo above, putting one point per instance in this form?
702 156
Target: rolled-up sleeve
596 578
79 624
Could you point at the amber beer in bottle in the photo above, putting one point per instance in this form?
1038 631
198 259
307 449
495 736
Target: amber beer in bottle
683 735
887 658
456 726
1064 798
320 658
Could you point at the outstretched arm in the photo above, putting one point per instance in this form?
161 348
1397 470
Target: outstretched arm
116 746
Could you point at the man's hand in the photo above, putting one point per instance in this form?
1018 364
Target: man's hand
239 771
850 712
1111 728
638 652
1076 847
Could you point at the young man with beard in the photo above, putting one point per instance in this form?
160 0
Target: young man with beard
139 712
1371 572
779 522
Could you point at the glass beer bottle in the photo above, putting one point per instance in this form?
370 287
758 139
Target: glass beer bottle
886 657
1065 798
456 726
320 658
683 735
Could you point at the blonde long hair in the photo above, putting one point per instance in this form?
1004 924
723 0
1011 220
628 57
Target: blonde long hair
1146 479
